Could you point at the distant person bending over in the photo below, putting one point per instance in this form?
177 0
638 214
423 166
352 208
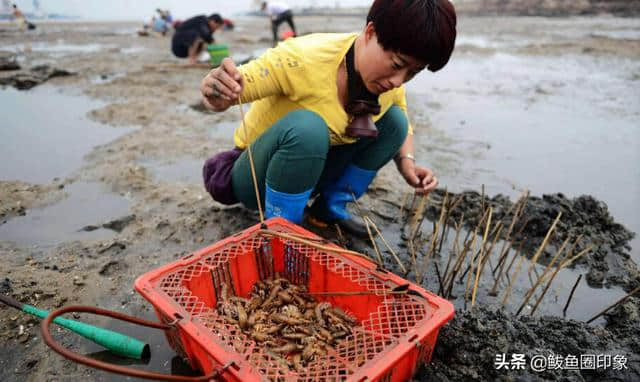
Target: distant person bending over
159 25
279 13
192 35
328 110
165 15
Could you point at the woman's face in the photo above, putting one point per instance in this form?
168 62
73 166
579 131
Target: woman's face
383 70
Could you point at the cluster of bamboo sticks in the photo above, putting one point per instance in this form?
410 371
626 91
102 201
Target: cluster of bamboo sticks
480 251
414 216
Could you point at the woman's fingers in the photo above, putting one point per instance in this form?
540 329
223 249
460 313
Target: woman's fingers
224 82
431 185
426 180
226 85
230 67
221 87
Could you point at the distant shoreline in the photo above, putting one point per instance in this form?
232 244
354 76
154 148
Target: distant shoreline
476 8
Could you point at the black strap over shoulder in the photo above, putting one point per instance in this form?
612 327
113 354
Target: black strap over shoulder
361 100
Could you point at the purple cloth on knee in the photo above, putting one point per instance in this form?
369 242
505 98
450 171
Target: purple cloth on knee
217 176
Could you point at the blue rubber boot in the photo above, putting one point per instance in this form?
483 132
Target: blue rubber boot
288 206
331 205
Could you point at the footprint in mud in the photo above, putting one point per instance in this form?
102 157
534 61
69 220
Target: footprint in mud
111 268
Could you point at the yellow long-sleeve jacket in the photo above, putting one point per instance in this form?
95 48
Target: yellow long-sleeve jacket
301 73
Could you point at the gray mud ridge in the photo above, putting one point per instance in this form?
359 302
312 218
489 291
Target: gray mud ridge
8 61
609 260
467 346
25 80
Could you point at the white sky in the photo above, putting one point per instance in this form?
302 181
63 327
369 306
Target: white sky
144 9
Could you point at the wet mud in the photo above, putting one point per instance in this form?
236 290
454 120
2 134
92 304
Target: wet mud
153 212
584 217
468 346
27 79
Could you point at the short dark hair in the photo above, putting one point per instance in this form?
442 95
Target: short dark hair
423 29
216 17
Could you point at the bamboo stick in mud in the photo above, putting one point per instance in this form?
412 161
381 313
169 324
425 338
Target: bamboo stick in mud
567 261
373 241
623 299
515 275
455 248
434 237
553 276
475 231
504 251
445 230
393 253
484 261
544 273
463 255
482 251
534 259
566 306
435 264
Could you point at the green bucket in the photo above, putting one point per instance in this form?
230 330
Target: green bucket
217 53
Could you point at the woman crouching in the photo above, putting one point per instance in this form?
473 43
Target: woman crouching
328 111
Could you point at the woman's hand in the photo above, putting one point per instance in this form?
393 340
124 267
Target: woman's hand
421 178
222 86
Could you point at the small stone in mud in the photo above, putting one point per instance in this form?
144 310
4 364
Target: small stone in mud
77 281
119 224
89 228
5 286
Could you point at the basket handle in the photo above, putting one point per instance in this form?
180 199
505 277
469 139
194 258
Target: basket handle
48 339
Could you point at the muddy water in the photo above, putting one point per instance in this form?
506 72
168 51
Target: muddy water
86 204
177 170
509 121
188 169
47 134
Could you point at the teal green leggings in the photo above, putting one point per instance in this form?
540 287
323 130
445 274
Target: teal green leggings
294 155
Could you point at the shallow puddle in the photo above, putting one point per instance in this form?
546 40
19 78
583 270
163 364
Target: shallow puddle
58 49
86 204
187 169
47 133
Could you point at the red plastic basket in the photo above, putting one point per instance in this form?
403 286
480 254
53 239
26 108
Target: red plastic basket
395 332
